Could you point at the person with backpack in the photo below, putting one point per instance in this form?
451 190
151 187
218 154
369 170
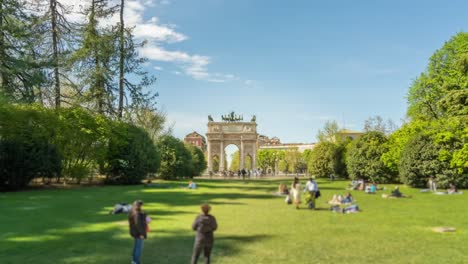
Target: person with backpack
205 225
312 189
138 228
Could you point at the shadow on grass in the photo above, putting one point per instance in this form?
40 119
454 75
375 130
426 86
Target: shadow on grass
177 247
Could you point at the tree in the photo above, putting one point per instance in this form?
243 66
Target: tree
364 158
198 159
292 159
324 160
445 74
130 64
20 70
283 166
377 123
417 161
398 141
151 120
176 159
266 159
131 156
94 59
234 166
59 43
329 132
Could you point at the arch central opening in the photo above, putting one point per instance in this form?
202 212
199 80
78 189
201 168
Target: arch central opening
232 157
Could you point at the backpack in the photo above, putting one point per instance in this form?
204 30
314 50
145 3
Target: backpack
206 224
317 194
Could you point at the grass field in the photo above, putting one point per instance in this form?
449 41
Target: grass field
73 226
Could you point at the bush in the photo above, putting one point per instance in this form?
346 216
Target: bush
198 159
176 160
131 155
20 162
325 159
82 138
363 159
421 160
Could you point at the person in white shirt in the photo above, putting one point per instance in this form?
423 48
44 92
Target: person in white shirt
312 188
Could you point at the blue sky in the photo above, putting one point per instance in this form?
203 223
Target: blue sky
294 64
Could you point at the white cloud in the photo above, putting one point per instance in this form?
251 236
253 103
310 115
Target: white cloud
158 36
185 123
192 65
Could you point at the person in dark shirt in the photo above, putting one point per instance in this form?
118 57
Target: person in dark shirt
137 224
205 225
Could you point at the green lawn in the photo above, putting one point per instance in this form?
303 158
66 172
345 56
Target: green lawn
73 226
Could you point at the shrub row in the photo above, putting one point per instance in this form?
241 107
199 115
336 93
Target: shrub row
74 144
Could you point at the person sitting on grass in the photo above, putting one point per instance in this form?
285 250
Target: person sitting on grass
336 200
347 199
395 194
452 189
283 189
372 188
192 185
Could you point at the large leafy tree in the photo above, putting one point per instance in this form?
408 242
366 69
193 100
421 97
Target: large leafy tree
364 158
445 77
325 160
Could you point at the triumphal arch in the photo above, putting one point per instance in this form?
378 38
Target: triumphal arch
231 130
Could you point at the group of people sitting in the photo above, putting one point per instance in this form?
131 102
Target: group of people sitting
343 204
361 185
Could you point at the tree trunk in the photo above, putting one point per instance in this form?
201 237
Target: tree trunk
121 61
98 83
53 11
3 75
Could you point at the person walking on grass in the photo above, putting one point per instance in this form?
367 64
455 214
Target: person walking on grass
296 191
312 189
205 225
138 228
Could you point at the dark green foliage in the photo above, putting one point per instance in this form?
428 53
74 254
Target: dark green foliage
198 159
20 69
325 160
419 161
132 155
455 103
82 139
364 158
176 160
22 161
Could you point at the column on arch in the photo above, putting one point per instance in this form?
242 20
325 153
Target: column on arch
210 157
221 156
254 157
242 155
